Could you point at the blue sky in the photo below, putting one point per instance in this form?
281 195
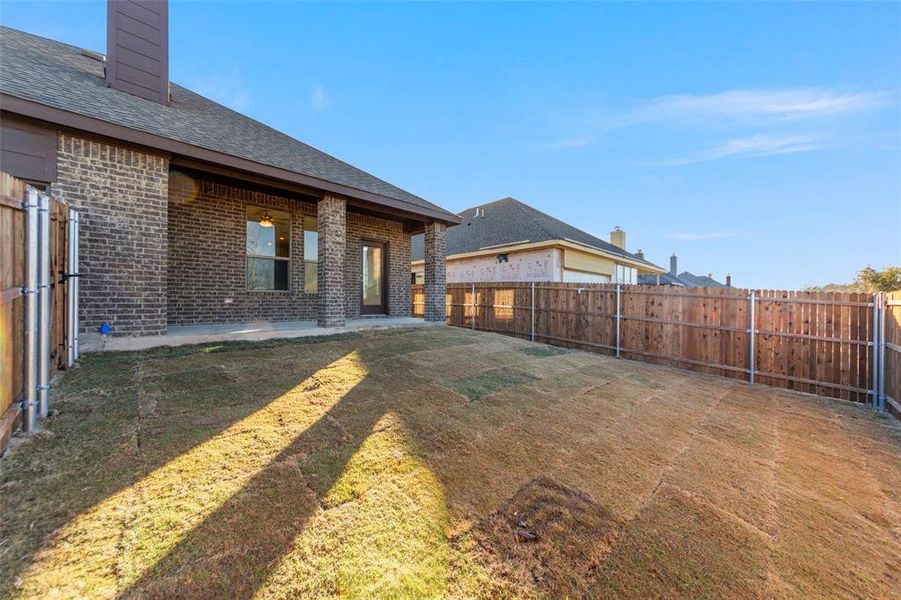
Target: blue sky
761 140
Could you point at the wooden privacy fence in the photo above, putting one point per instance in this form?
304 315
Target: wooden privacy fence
816 342
36 330
890 340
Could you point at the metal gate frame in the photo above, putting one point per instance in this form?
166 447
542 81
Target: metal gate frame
38 303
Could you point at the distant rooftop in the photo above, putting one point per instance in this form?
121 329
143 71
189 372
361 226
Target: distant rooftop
507 222
684 279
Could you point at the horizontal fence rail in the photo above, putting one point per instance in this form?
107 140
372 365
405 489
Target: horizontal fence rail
824 343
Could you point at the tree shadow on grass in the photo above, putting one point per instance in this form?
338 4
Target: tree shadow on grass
187 522
237 548
120 416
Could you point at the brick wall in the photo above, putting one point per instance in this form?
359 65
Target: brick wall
435 272
122 196
332 212
207 256
365 227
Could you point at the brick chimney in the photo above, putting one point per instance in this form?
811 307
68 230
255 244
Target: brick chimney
673 269
137 48
618 238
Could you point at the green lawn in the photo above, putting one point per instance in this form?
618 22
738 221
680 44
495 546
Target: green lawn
442 463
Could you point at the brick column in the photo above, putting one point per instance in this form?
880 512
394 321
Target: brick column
435 271
123 197
332 220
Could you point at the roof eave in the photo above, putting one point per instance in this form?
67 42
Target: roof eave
68 119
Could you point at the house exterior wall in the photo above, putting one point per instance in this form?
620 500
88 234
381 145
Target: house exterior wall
207 254
122 195
542 264
587 262
162 248
399 246
531 265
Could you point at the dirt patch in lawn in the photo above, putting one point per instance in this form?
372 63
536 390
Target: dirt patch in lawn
547 537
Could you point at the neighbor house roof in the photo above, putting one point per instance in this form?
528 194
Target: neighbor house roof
509 222
684 278
56 82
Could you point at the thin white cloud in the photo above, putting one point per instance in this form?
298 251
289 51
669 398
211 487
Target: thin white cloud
569 143
319 101
754 147
754 105
576 142
225 89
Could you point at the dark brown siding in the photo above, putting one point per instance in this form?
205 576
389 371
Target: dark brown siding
27 151
138 48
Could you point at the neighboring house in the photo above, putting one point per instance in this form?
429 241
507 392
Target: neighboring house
508 240
683 279
192 213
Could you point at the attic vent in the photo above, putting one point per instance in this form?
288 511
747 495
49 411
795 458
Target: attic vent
480 212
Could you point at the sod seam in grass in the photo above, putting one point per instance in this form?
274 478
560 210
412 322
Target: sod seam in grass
484 384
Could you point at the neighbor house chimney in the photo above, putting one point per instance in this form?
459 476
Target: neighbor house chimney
137 48
728 280
618 238
640 255
673 269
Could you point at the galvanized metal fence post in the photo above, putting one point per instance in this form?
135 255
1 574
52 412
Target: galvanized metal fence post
752 332
44 303
883 305
30 291
76 347
879 306
875 344
474 306
70 295
532 336
618 318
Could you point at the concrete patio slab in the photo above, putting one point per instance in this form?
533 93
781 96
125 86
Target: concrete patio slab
231 332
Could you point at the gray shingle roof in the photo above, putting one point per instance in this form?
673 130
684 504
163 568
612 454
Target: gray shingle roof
58 75
684 279
510 221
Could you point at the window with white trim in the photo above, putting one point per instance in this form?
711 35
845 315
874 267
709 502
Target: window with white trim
624 274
